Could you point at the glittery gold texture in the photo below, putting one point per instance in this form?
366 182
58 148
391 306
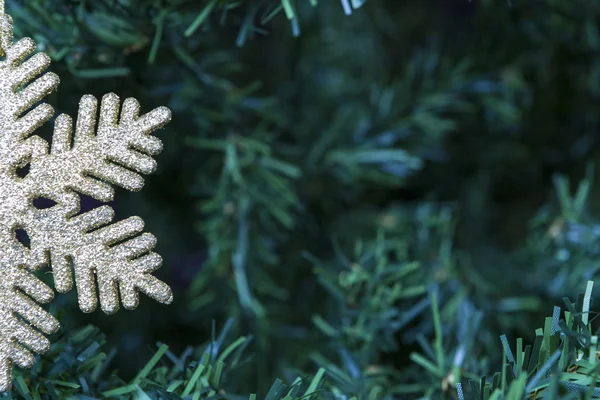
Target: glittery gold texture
112 261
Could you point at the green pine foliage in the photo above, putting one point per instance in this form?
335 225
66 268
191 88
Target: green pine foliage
357 199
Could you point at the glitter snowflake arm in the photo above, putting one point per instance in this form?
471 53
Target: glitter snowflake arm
111 258
23 322
116 152
107 258
22 87
21 318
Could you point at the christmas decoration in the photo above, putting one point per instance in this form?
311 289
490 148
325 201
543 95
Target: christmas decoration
111 261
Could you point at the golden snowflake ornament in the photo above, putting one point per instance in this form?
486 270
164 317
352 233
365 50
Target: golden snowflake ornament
111 262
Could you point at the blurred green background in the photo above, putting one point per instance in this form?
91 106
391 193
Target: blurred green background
329 163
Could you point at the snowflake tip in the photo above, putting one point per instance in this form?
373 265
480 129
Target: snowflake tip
5 374
19 51
29 70
35 92
32 286
35 118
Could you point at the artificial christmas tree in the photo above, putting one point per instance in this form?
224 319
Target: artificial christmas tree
356 200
